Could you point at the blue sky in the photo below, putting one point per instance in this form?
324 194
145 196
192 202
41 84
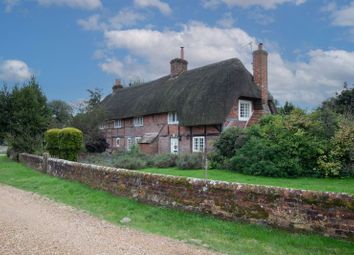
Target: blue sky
74 45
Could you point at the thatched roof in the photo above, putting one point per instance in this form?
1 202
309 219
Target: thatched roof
201 96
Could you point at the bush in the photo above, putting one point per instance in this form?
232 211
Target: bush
265 158
98 145
70 140
51 138
190 161
164 160
129 162
281 146
339 160
226 146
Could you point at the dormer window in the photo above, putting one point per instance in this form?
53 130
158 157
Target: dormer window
172 118
244 110
117 124
138 121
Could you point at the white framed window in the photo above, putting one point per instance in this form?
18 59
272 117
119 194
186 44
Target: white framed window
198 143
129 144
244 109
117 142
137 139
172 118
138 121
117 124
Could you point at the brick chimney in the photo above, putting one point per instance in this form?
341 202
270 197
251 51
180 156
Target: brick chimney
260 72
117 86
178 65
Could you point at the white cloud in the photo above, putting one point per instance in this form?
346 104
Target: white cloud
266 4
10 4
343 16
92 23
82 4
14 70
163 7
303 82
310 82
227 20
124 18
203 45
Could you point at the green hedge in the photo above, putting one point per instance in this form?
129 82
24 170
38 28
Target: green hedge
51 137
64 143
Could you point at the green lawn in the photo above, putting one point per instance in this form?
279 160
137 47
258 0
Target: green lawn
322 184
224 236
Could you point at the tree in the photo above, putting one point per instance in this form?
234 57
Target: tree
343 102
286 109
5 112
30 117
95 97
61 113
88 120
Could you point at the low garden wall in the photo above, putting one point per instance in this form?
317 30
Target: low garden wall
327 213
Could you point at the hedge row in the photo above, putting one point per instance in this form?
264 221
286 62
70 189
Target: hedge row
64 143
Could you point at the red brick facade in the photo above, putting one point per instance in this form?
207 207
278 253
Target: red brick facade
158 124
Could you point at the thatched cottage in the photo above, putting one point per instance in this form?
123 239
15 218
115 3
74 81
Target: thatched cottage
187 110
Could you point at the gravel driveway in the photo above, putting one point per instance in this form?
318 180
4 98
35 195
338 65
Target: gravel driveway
31 224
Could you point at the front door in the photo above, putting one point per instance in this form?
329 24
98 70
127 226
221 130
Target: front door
174 145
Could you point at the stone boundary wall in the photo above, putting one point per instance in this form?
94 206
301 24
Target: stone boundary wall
327 213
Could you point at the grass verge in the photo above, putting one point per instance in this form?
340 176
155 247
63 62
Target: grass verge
321 184
224 236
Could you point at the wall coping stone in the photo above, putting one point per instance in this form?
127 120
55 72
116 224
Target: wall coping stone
327 213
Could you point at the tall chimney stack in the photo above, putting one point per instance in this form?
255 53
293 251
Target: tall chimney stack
178 65
117 86
260 72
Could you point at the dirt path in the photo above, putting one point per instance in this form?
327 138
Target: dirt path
31 224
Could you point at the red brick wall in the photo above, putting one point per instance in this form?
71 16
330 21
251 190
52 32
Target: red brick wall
149 148
326 213
232 119
158 124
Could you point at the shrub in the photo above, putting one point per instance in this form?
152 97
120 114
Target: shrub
98 145
190 161
51 138
129 162
281 146
226 146
164 160
339 160
70 140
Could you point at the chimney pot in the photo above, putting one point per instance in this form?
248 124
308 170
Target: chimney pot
182 52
